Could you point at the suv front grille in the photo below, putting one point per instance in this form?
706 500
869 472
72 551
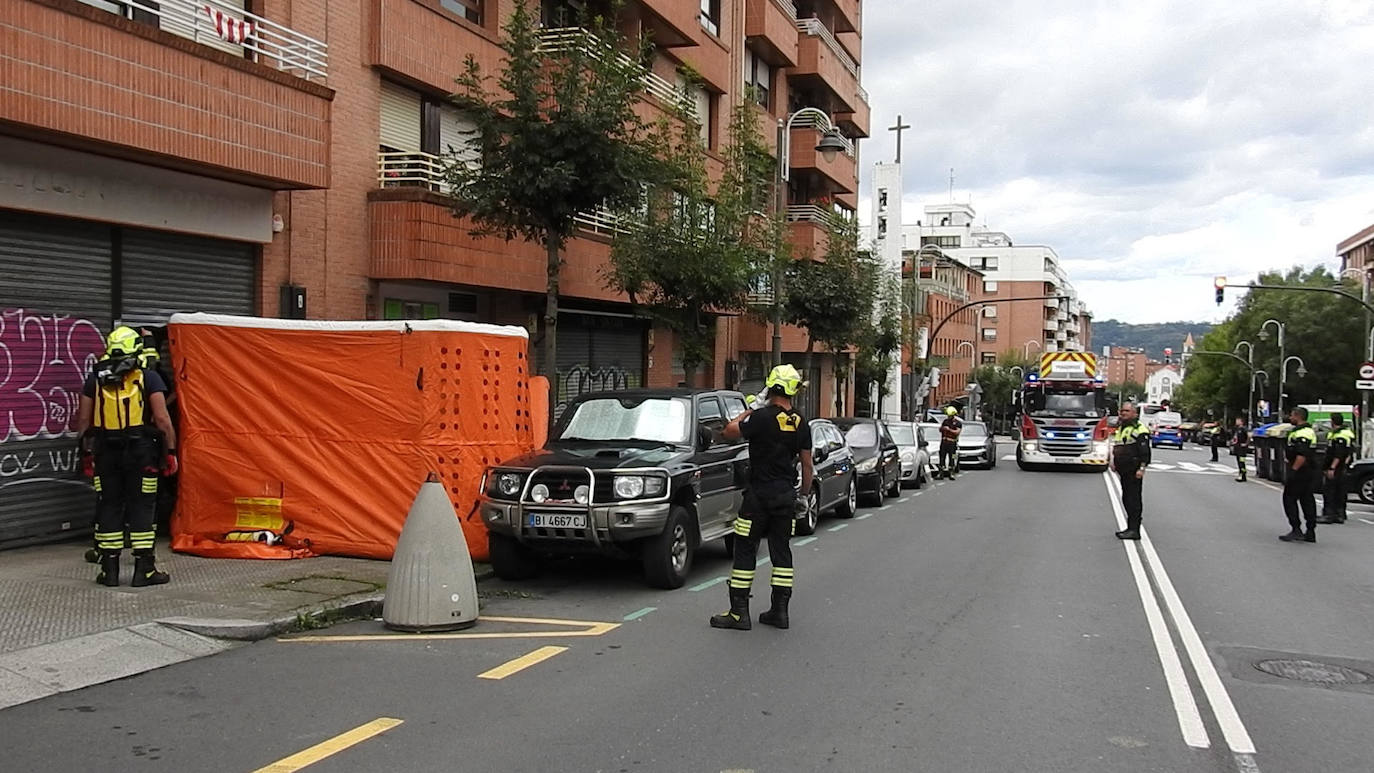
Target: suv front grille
561 483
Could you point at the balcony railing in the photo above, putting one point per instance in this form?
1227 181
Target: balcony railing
563 38
788 6
225 27
809 121
403 169
815 28
811 213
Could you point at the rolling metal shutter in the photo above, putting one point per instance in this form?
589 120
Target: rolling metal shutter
165 273
597 353
400 121
54 313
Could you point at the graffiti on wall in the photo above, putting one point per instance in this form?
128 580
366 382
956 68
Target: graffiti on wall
44 358
581 379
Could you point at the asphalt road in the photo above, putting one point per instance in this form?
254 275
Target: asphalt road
990 624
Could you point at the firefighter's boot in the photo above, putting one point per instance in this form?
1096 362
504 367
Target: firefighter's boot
1293 536
109 568
145 571
776 615
738 616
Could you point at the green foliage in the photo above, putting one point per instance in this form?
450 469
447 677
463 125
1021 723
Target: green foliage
833 298
880 341
1326 331
1000 382
689 252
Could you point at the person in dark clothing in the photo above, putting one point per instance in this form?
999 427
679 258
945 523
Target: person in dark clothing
1217 440
779 438
1298 487
1340 444
950 430
1130 456
1240 447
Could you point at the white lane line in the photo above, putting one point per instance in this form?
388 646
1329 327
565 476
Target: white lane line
1192 467
1219 467
1009 457
838 526
1366 520
762 561
1237 737
806 541
1185 707
863 517
884 507
709 583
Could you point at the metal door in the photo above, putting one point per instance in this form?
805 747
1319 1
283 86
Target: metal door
164 273
598 353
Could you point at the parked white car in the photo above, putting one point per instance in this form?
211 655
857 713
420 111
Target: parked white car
915 452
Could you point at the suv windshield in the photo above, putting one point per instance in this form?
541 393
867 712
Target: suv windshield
654 420
862 436
1081 405
902 434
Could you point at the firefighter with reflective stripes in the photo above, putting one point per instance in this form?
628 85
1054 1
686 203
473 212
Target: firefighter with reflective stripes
779 437
1130 456
124 404
1300 482
1340 445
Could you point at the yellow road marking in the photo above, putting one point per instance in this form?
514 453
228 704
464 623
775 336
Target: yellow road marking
331 747
585 628
521 663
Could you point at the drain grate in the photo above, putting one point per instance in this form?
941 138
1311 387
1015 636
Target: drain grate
1311 671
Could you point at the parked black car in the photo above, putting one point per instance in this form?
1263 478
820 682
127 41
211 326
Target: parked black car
640 474
877 460
1359 480
835 488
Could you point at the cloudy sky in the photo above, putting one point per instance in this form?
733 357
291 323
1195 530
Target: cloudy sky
1154 144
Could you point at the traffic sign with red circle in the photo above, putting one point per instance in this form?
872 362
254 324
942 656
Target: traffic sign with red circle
1367 371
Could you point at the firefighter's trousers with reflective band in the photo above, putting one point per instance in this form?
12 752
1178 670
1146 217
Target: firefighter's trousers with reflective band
949 455
767 512
1132 495
126 478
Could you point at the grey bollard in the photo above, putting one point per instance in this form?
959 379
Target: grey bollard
431 586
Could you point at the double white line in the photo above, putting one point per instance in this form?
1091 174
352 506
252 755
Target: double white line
1189 718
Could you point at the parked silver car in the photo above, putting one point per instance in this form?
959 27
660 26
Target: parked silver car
915 451
977 447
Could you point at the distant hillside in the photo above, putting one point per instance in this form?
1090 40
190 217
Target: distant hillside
1153 338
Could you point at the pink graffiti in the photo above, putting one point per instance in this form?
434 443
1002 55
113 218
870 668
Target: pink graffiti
44 360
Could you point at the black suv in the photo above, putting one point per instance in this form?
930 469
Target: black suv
631 474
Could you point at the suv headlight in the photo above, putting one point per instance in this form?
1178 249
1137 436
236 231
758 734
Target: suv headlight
505 484
867 465
639 486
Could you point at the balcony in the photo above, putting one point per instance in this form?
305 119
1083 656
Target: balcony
820 58
840 176
249 105
1051 326
673 22
1051 303
848 16
856 122
771 28
809 229
561 38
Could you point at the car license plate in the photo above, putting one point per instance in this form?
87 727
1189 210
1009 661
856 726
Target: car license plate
557 520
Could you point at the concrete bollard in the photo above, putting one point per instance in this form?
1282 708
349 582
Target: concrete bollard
431 586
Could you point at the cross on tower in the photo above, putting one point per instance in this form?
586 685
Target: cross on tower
899 128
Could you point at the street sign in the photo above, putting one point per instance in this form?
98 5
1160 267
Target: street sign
1365 385
1367 371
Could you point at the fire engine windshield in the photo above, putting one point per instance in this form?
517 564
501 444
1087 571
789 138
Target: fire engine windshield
1077 405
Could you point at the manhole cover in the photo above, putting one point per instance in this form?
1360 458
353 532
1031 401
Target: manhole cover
1310 671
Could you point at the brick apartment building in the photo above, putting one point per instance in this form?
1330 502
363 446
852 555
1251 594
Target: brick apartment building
944 285
1125 365
1357 252
280 158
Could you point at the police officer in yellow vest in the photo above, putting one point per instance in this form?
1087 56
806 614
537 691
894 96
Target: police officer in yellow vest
1300 482
125 404
1340 444
1130 456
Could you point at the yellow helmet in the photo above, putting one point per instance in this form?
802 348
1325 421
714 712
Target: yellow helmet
124 341
951 411
785 378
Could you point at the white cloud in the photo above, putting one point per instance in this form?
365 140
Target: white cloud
1153 144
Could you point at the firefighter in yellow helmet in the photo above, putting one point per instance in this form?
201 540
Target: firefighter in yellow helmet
778 438
124 403
950 430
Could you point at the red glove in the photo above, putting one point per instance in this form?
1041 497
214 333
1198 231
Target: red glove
169 465
88 465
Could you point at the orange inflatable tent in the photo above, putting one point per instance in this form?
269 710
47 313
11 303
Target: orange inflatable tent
304 438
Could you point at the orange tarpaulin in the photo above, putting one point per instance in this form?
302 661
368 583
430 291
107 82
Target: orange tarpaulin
309 438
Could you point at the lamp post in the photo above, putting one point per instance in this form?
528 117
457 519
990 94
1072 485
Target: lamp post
1026 347
830 144
1264 336
1283 374
914 313
1249 358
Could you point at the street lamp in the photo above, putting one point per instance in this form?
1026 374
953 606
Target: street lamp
1264 336
915 302
1283 375
972 351
1026 347
1249 358
831 143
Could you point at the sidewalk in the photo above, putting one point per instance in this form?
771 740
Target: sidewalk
59 631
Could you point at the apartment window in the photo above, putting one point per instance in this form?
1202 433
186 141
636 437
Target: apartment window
706 108
468 9
989 287
990 312
989 334
882 227
983 264
940 241
710 16
988 358
758 77
396 308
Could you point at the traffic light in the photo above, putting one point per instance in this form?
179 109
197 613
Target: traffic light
1220 284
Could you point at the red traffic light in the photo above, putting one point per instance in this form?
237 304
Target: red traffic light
1219 283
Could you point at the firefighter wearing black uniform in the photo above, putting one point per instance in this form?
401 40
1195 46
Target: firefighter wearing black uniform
950 430
124 404
1300 482
778 438
1130 456
1240 447
1340 444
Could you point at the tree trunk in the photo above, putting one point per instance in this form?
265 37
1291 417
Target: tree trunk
810 353
548 367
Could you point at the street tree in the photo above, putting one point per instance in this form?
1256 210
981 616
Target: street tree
557 135
827 296
690 251
880 341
